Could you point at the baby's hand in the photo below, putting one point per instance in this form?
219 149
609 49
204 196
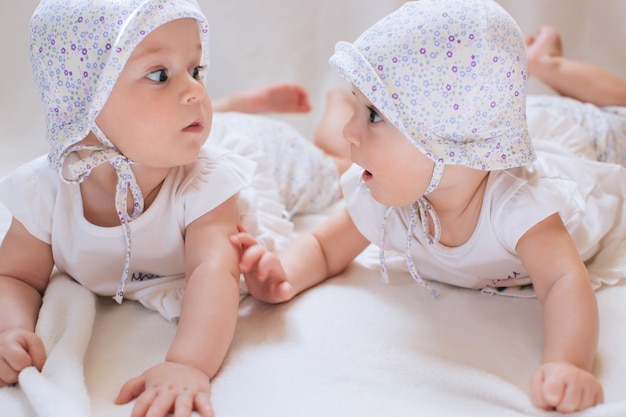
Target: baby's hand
263 271
563 387
19 349
168 387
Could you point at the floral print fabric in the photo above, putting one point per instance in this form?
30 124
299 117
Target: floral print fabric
78 49
450 75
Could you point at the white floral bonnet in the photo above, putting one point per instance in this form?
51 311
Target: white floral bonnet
451 76
78 49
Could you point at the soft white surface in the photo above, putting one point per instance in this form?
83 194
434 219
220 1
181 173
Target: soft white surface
352 346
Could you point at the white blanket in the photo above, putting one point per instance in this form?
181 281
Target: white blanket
65 323
352 346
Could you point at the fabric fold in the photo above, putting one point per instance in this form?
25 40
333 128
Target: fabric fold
65 323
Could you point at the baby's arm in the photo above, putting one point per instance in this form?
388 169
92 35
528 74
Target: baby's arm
25 267
308 260
564 381
206 326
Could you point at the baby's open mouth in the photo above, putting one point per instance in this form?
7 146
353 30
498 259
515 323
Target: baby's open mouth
195 126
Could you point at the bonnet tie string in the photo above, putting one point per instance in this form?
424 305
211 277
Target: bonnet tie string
425 211
126 182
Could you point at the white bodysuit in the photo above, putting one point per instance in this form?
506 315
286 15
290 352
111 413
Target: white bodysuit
565 179
51 210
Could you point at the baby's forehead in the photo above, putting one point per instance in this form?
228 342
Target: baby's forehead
174 35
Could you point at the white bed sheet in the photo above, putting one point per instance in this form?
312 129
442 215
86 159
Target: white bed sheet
352 346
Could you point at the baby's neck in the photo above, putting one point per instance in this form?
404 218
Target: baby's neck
98 193
458 203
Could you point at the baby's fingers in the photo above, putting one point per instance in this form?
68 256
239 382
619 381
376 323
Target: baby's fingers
8 375
283 291
36 349
131 389
251 259
565 388
19 349
580 393
201 402
157 404
543 395
590 398
203 405
243 239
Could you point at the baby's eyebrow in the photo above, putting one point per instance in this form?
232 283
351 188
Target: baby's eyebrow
145 54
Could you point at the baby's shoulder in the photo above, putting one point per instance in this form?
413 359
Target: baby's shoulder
30 193
34 166
217 175
33 177
525 195
525 180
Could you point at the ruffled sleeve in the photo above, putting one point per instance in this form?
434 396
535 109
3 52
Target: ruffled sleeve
29 193
214 178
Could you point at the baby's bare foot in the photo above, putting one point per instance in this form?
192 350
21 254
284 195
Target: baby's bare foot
278 98
542 46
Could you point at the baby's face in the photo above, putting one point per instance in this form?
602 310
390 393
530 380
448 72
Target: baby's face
159 113
395 171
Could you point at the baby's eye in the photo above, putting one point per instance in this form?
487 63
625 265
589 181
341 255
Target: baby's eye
159 76
374 116
196 71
